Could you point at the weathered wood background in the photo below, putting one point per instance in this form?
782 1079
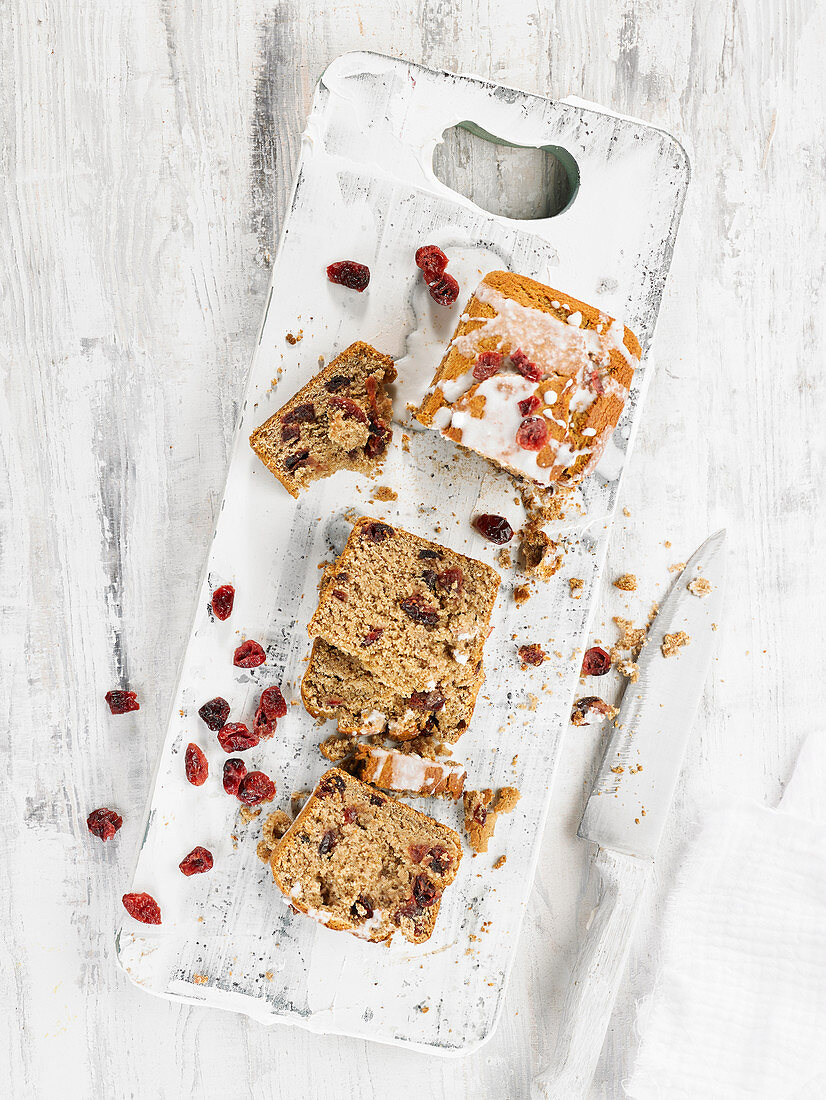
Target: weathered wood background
147 153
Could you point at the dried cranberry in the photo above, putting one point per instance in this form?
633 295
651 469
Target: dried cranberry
430 579
340 595
334 701
195 765
377 440
424 891
249 654
237 738
429 554
594 380
376 532
445 291
103 823
529 405
330 785
337 382
440 861
350 814
142 907
493 528
419 610
376 800
256 788
532 654
372 635
451 578
197 862
590 709
349 273
296 459
371 388
487 364
234 772
361 908
532 434
328 842
271 707
215 713
426 700
301 414
431 261
417 852
480 815
351 409
121 702
290 432
222 600
525 366
596 662
409 909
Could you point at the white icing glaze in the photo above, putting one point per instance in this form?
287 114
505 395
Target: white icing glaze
460 658
401 771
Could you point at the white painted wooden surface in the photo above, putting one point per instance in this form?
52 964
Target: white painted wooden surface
147 155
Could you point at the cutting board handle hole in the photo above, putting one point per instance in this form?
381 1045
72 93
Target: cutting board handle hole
522 182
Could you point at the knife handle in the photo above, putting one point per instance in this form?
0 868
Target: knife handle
596 978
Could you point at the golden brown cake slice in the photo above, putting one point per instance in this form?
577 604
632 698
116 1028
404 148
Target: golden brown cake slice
410 611
339 421
408 773
338 686
360 862
533 380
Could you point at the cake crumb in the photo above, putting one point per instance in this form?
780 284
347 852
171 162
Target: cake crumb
532 654
627 582
673 643
626 511
269 975
667 544
699 587
676 567
590 709
405 442
500 862
576 585
384 492
629 669
294 338
631 637
200 979
247 815
504 558
513 762
521 594
336 747
482 809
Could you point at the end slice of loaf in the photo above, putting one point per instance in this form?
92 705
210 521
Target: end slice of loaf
358 861
339 421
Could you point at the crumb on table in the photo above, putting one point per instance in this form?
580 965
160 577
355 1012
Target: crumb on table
294 338
673 643
576 585
500 862
631 637
676 567
504 558
532 654
629 669
521 594
699 587
627 582
384 492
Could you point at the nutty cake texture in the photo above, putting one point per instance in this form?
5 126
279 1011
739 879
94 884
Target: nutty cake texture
405 771
359 861
533 380
339 421
482 810
410 611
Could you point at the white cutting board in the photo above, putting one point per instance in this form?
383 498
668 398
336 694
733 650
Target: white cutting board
365 190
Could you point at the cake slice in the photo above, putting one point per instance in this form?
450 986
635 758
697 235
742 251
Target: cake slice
533 380
408 773
360 862
410 611
338 686
339 421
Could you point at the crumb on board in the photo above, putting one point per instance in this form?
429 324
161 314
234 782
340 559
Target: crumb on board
576 585
627 582
384 492
631 637
667 544
590 709
500 862
521 594
405 442
673 643
699 587
200 979
336 747
531 654
482 808
247 815
676 567
293 338
504 558
626 511
629 669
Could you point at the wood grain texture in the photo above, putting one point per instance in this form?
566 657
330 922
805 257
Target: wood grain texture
146 164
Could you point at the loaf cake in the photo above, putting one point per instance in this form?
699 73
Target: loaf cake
533 380
338 686
408 773
410 611
339 421
358 861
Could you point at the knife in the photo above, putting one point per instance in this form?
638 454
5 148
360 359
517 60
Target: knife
628 808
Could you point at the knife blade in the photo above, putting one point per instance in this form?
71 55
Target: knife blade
634 788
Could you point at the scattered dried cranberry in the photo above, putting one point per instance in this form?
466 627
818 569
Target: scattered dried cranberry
532 434
271 707
431 261
249 654
289 432
529 405
349 273
532 654
596 662
525 366
256 788
424 891
494 528
361 908
590 709
103 823
451 578
215 713
337 382
328 842
350 408
195 765
121 702
376 532
142 907
197 862
222 600
330 785
372 635
237 738
419 610
426 700
298 458
301 414
487 364
445 291
234 772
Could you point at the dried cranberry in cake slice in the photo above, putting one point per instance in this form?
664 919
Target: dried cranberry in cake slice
410 611
358 861
338 686
339 421
409 773
533 380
